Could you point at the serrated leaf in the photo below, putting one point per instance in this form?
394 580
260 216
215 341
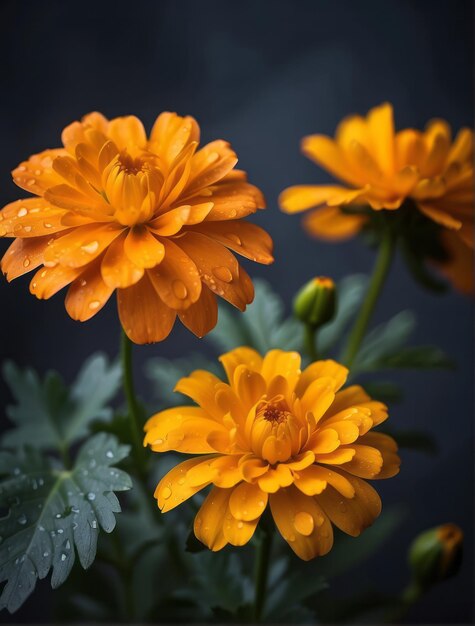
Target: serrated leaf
351 291
49 414
54 514
165 373
262 326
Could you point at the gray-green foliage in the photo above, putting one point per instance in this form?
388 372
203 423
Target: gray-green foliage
48 414
54 513
262 326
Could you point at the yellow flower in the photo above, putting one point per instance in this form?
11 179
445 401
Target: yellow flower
275 434
152 217
382 168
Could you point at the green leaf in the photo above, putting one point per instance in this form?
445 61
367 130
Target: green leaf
54 514
49 415
262 326
350 293
165 373
384 340
291 590
418 357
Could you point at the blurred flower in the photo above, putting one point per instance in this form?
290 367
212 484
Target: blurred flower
436 554
274 434
154 218
383 169
315 302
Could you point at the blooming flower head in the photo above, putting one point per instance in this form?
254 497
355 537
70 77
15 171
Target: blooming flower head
152 217
384 169
273 434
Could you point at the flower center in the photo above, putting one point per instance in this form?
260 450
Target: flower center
129 164
274 413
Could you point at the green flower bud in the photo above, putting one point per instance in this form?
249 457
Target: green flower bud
436 554
315 302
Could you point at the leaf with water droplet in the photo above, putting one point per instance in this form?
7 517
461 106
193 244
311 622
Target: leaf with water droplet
40 539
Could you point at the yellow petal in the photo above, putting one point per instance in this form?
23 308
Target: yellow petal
175 488
209 521
247 501
302 523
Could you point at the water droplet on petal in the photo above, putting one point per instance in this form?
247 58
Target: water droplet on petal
304 523
22 212
166 493
26 262
234 238
94 304
179 289
223 273
90 248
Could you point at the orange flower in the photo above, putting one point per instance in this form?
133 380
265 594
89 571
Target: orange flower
274 434
382 169
154 218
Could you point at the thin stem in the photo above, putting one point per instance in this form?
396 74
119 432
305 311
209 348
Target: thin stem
136 426
261 572
380 272
310 342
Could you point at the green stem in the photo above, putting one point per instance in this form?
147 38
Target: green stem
380 272
310 342
261 572
136 426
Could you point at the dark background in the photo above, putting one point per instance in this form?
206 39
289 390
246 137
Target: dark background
260 74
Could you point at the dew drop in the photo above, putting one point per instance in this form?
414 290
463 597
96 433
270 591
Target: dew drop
304 523
27 229
47 225
83 283
63 557
22 519
67 545
45 554
234 238
26 262
179 289
90 248
240 524
22 212
223 273
91 496
181 481
94 524
109 454
166 493
94 305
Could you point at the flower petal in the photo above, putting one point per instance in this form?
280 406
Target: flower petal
82 245
126 132
247 501
302 523
87 294
23 255
208 524
117 270
49 280
32 217
240 356
144 317
176 279
353 515
171 134
331 224
37 174
143 248
202 316
174 488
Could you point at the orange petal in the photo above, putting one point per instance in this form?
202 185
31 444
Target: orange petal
331 224
319 369
142 248
388 450
144 317
37 174
439 216
32 217
246 239
367 461
381 129
329 155
209 165
82 245
171 222
24 255
240 356
49 280
302 197
302 523
87 294
175 488
247 502
126 132
202 316
176 279
218 268
117 269
232 200
208 524
172 133
352 515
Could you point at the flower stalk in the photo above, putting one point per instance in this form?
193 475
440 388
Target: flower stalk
378 278
136 427
261 571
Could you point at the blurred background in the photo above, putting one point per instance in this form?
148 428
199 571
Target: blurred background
260 74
